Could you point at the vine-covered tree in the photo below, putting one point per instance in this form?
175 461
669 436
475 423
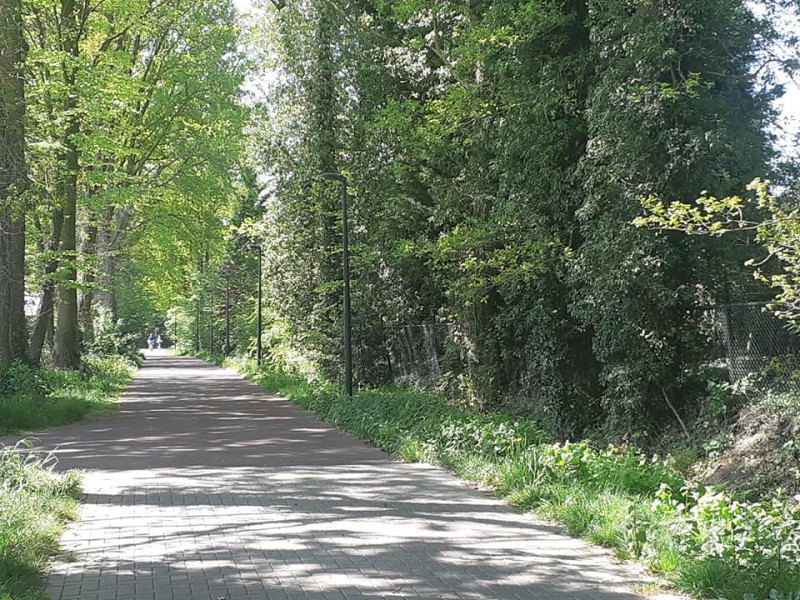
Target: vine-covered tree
496 153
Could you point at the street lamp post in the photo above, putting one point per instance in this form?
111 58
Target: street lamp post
259 320
227 315
197 325
226 276
348 348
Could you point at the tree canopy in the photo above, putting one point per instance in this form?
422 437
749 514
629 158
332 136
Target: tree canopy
496 155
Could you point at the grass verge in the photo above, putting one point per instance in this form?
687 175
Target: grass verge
35 502
32 399
706 542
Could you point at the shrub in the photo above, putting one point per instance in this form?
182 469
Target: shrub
39 398
109 339
21 379
762 537
34 503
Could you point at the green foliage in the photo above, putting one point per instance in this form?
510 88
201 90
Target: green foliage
775 221
135 126
35 398
495 153
705 541
624 469
761 537
34 504
19 378
110 338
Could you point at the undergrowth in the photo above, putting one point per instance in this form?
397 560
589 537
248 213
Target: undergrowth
34 504
33 398
706 542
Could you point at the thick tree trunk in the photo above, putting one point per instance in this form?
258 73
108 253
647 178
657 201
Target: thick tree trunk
108 240
13 182
67 338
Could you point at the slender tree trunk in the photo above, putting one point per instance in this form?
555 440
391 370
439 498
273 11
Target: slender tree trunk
105 296
114 221
323 92
67 338
324 111
50 333
44 319
88 279
13 182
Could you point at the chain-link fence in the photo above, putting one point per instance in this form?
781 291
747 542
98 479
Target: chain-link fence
417 352
755 346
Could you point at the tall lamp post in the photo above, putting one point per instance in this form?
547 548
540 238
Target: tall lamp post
259 320
203 263
197 324
210 330
227 315
348 347
226 275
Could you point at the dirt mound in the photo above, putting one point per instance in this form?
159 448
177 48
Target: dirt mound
765 453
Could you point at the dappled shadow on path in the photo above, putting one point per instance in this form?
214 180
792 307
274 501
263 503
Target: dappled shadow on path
203 486
346 531
182 412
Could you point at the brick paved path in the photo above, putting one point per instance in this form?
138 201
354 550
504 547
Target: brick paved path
202 487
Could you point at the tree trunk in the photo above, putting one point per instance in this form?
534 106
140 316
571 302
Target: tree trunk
44 320
324 112
67 338
88 279
108 241
13 182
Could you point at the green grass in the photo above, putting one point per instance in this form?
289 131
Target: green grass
32 399
34 504
703 541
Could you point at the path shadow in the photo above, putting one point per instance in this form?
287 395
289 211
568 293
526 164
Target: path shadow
349 531
203 486
182 412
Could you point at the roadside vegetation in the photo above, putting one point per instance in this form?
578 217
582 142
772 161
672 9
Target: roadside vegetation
35 502
164 171
37 398
707 541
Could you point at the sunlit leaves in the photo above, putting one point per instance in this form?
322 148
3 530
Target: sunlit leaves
149 99
774 219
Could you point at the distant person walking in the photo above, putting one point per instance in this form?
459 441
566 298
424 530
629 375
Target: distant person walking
154 340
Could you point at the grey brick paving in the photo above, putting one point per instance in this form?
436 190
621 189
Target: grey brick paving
204 487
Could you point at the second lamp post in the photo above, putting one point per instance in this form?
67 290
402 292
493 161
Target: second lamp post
260 253
348 346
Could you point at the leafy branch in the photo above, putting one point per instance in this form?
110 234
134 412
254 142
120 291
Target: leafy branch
778 232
